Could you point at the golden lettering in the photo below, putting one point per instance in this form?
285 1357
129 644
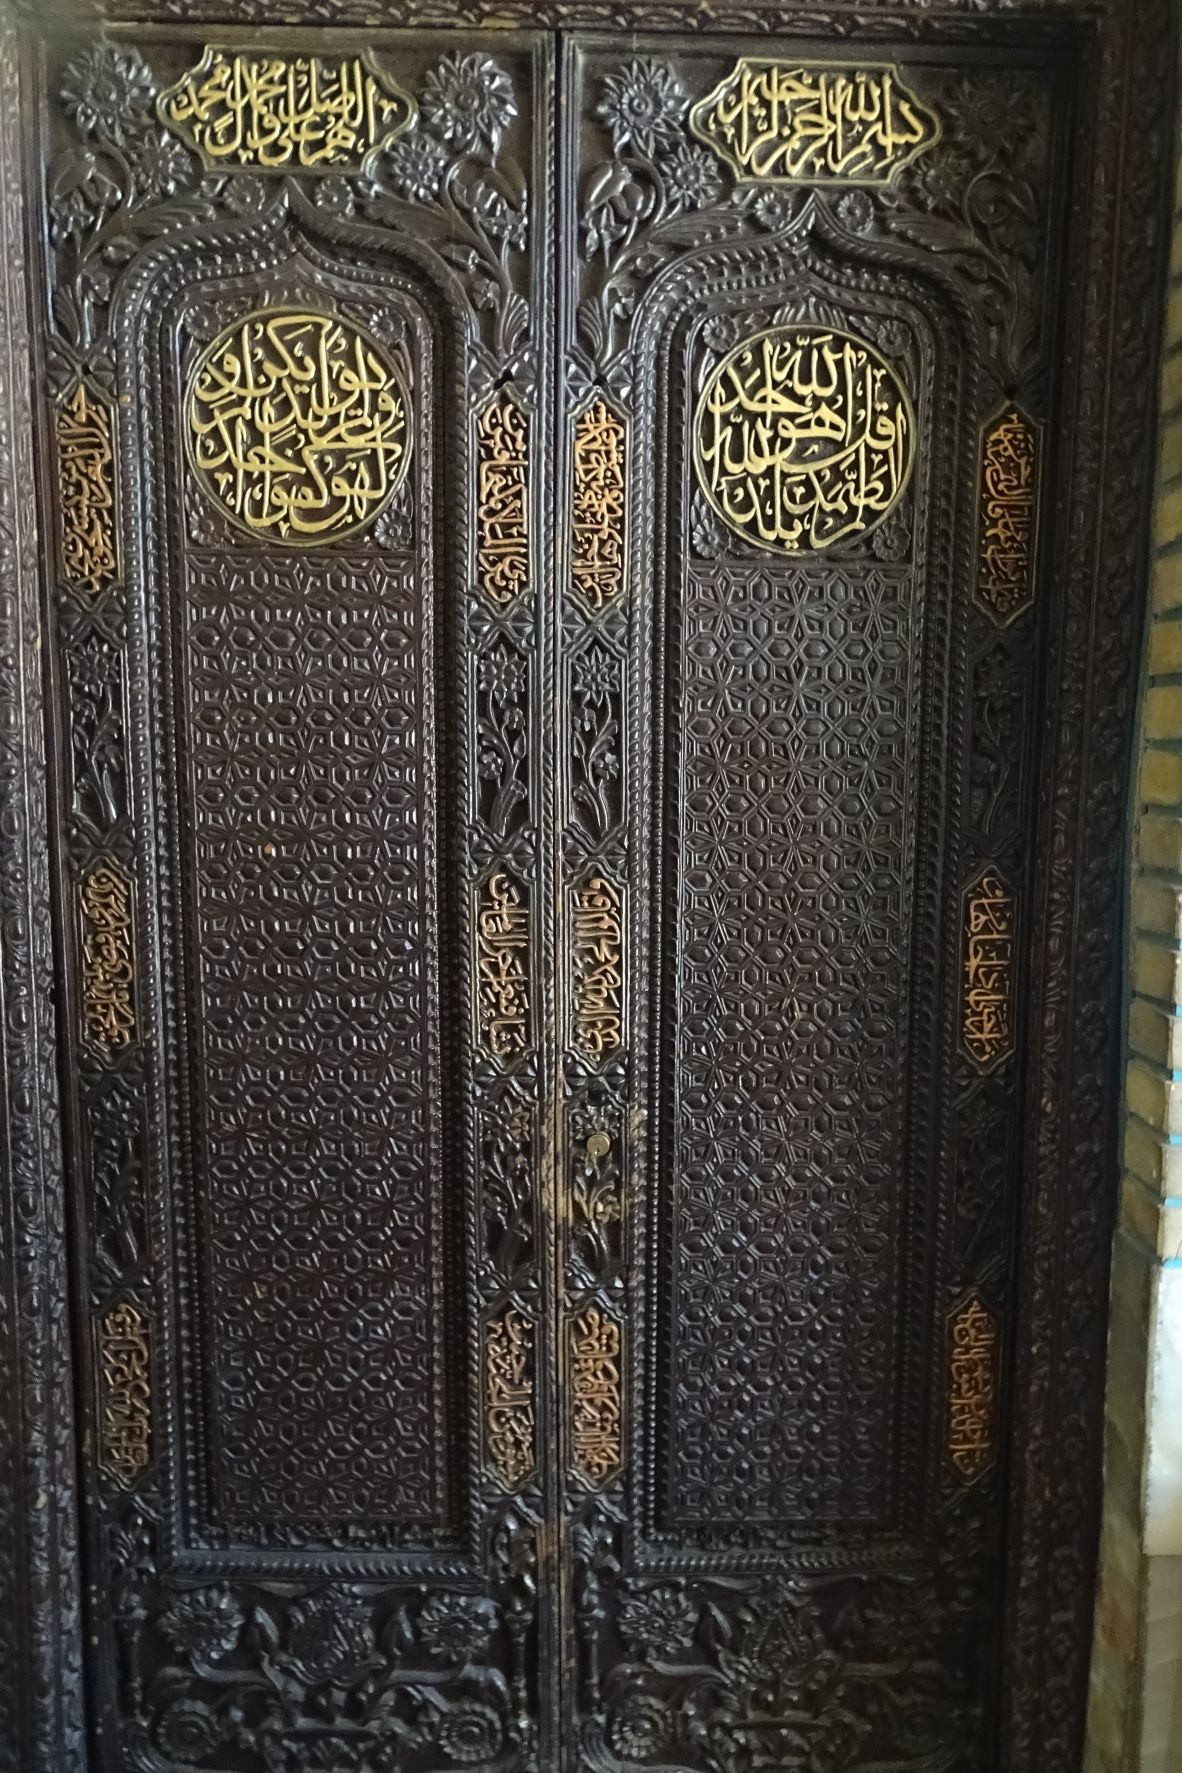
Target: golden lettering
598 505
297 426
125 1388
803 439
108 967
502 511
509 1396
86 492
988 970
1009 512
502 967
596 1396
972 1389
597 987
274 112
815 122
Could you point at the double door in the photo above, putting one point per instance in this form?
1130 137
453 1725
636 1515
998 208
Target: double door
554 548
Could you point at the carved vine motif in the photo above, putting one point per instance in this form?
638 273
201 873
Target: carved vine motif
502 731
340 1677
94 662
755 1671
597 711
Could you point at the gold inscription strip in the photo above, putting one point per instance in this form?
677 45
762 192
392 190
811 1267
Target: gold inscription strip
596 1344
296 426
972 1388
837 123
125 1393
273 112
599 501
987 1008
804 438
1010 452
597 986
105 904
509 1397
502 502
502 967
86 492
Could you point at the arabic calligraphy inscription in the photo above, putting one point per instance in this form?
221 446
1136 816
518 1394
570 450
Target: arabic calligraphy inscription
803 439
125 1383
286 113
509 1396
972 1393
597 987
86 479
502 966
1009 509
599 503
297 426
988 970
595 1368
108 968
502 515
815 122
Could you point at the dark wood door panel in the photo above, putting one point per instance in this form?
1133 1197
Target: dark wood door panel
588 590
294 372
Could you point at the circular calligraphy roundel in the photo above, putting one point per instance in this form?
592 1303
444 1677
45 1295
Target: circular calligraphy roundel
804 438
297 426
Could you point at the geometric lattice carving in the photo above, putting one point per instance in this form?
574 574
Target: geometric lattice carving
791 936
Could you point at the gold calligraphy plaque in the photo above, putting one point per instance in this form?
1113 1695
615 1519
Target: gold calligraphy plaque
88 542
987 1026
972 1388
125 1393
105 906
502 967
596 1396
597 983
827 123
804 438
274 112
1010 451
509 1397
502 500
599 504
296 426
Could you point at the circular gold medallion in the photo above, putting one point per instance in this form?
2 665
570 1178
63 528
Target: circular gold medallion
296 426
804 437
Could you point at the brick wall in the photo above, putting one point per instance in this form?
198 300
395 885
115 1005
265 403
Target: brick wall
1135 1718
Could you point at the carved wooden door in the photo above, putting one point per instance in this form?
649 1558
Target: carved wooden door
566 578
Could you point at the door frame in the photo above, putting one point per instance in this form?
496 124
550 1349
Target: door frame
1122 59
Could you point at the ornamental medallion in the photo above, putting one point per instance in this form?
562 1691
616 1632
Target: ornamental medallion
804 438
296 426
